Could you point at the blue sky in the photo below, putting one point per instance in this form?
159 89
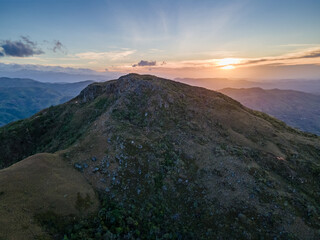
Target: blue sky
179 36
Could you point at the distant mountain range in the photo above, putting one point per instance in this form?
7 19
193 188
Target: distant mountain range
297 109
54 73
310 86
21 98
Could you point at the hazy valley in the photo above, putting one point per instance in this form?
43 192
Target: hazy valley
21 98
297 109
303 85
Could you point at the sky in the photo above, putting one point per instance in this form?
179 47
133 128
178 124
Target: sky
183 38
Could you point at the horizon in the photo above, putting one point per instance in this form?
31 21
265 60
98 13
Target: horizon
250 40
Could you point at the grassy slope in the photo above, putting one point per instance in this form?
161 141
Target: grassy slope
39 183
168 153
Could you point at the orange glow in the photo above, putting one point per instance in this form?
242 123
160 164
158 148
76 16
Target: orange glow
227 63
228 67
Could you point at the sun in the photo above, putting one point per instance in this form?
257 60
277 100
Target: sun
227 63
227 67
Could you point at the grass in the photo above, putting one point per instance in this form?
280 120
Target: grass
36 185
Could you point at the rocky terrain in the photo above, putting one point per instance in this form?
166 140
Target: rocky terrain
166 161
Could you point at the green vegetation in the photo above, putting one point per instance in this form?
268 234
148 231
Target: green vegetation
148 219
170 161
53 129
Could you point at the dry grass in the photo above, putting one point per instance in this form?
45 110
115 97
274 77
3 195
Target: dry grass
37 184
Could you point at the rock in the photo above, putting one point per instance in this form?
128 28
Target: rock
85 165
242 218
96 169
94 159
78 166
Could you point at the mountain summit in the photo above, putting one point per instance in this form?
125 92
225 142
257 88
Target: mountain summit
168 161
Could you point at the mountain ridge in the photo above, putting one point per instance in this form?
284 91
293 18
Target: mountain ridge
162 154
304 85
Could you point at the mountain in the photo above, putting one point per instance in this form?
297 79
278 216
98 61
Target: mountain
166 161
297 109
217 83
310 86
21 98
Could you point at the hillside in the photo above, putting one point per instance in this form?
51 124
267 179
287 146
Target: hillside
171 161
297 109
21 98
40 183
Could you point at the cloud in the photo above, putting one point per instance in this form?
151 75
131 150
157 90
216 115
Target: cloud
313 54
21 48
143 63
58 46
307 54
114 55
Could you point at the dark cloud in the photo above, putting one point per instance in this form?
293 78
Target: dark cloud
28 41
253 61
21 48
58 46
143 63
313 54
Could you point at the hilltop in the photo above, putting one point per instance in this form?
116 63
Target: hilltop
171 161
